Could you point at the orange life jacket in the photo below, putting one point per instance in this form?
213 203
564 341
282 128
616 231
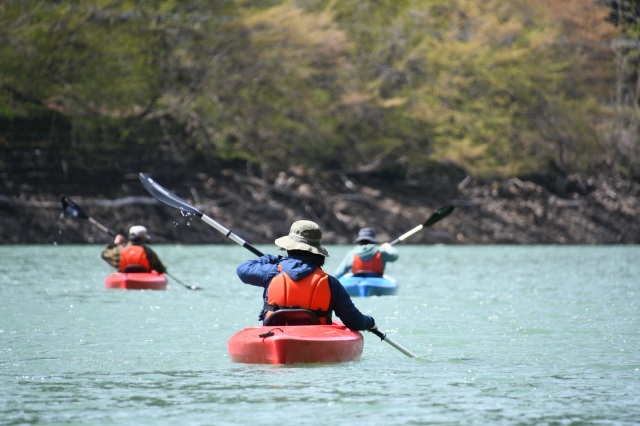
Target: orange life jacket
312 293
133 255
374 264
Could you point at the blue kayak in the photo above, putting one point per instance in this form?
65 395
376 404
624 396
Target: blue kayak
363 286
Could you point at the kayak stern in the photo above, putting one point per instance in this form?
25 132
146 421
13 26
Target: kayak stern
302 344
136 281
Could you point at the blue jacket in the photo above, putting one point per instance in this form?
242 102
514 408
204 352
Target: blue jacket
260 272
366 252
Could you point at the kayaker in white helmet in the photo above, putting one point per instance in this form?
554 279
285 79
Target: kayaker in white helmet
134 256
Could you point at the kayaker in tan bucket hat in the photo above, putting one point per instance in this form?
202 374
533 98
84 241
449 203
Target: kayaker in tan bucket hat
134 256
297 283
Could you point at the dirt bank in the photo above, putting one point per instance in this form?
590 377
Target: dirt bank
545 209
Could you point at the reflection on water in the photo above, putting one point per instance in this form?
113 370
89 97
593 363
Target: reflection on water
504 335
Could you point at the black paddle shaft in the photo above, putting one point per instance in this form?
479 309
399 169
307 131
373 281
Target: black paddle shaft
76 211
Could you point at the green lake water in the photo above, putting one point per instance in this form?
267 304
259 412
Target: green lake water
539 335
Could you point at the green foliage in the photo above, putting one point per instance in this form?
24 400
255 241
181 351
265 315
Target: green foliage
489 85
478 75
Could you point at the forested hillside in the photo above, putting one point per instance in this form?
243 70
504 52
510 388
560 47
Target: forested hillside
93 92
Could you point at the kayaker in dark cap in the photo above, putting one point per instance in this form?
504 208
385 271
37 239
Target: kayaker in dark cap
135 256
368 258
297 281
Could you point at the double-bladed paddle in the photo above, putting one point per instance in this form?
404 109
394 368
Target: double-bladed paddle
74 210
436 216
170 199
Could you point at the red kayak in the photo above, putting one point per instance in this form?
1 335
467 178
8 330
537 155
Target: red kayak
136 281
296 344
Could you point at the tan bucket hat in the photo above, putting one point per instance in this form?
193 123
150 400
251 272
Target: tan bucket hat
303 235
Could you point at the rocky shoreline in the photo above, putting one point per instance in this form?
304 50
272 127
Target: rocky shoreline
545 209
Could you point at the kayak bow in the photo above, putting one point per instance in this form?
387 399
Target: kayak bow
299 344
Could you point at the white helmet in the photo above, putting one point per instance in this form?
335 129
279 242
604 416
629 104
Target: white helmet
137 232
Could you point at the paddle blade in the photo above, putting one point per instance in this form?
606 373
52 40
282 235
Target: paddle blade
173 200
438 215
163 195
190 287
72 209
